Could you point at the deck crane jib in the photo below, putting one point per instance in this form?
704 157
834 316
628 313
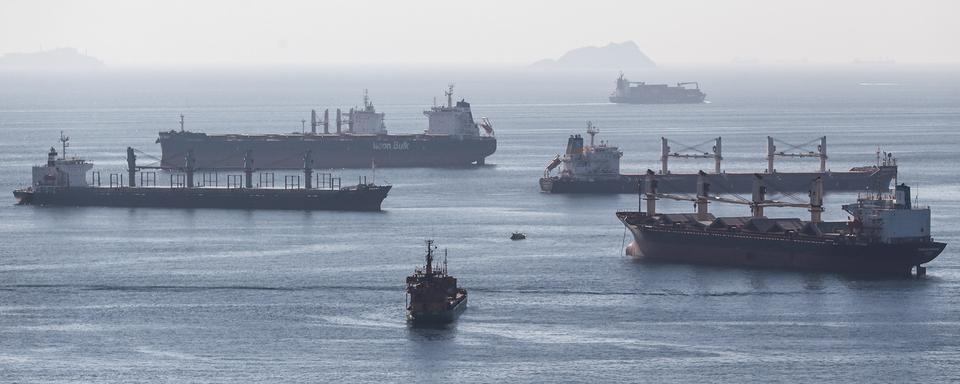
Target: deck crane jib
690 152
799 151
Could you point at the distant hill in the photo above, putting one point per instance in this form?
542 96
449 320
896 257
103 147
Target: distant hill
623 55
59 58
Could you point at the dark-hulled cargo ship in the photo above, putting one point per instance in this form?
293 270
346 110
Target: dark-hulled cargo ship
632 92
595 168
452 139
63 182
887 235
432 294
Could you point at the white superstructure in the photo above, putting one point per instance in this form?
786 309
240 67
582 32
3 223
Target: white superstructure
588 161
366 120
891 221
455 119
62 171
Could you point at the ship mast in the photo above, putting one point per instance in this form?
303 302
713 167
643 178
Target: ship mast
64 140
449 94
429 266
592 131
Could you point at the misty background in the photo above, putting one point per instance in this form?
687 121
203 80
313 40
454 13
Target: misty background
290 32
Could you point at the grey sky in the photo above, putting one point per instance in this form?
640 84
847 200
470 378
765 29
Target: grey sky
173 32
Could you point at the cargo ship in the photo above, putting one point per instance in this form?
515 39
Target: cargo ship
632 92
63 181
432 294
887 235
595 168
452 138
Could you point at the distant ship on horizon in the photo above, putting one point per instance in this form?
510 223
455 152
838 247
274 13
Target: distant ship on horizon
638 92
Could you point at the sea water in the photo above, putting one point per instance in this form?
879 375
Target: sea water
208 295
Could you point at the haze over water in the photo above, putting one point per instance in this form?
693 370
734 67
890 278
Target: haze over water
122 295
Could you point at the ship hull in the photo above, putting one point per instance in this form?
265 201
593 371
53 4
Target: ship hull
437 316
877 179
327 151
361 198
768 251
684 98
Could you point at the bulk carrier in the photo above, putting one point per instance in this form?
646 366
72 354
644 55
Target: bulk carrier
63 181
887 235
452 138
595 168
632 92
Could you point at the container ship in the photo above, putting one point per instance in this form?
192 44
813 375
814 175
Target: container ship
631 92
887 235
63 181
452 138
595 168
432 294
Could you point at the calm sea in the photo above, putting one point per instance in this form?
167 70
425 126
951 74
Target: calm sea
162 295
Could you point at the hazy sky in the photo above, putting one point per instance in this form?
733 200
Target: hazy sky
173 32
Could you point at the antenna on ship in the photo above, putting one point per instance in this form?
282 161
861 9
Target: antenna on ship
65 142
366 100
430 248
449 94
592 131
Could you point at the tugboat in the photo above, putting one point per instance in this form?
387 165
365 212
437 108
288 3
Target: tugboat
432 294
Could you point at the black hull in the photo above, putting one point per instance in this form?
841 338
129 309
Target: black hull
851 181
327 151
718 247
437 317
362 198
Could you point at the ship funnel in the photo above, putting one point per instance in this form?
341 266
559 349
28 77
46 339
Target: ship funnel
575 145
313 121
903 197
